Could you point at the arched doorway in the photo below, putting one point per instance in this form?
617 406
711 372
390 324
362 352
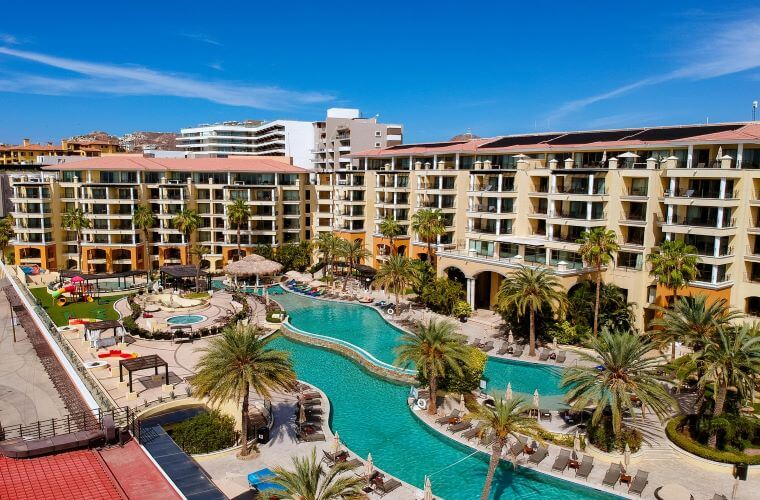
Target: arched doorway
487 285
96 260
233 254
456 274
401 250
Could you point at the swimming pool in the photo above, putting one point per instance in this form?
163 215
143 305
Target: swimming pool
185 319
365 328
372 417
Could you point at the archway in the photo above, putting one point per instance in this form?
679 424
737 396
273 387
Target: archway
456 274
401 250
487 285
172 255
71 264
205 264
752 306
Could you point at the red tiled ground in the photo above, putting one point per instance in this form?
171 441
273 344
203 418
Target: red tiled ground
76 474
136 474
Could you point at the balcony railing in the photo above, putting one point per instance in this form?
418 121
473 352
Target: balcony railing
692 221
708 194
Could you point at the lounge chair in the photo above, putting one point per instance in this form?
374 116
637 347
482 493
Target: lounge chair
382 488
639 482
561 356
518 351
461 426
330 458
350 464
472 432
476 342
585 468
487 347
503 349
445 419
545 415
560 464
612 476
515 449
311 438
486 439
544 356
538 455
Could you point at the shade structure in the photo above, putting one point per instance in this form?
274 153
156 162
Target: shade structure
674 492
428 493
508 394
77 279
369 467
252 265
335 448
628 154
536 399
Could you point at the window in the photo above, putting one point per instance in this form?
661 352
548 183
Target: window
483 248
377 144
378 133
630 260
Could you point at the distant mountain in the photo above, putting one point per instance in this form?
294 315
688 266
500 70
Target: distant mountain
96 135
138 141
467 136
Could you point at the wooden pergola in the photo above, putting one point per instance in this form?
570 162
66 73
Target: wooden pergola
181 273
101 326
143 363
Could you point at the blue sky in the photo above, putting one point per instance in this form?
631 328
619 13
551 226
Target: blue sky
439 68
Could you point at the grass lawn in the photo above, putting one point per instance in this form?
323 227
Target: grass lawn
104 310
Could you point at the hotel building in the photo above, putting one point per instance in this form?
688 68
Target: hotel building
526 199
110 188
31 154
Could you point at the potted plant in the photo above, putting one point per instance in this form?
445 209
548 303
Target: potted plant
462 310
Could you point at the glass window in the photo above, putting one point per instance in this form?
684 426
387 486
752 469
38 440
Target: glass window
630 260
482 248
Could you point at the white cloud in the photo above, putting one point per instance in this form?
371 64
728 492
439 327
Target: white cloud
729 48
137 80
201 38
8 39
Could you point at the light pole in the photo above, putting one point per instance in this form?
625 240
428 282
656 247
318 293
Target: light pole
754 109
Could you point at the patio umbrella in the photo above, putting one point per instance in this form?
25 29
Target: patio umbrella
149 325
77 279
511 338
252 265
576 442
521 156
604 156
627 455
369 467
628 154
720 153
428 493
335 444
536 399
508 395
674 492
462 408
554 340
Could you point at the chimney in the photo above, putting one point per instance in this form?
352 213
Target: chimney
26 142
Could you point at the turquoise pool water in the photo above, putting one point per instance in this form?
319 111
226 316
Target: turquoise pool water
372 417
364 327
185 319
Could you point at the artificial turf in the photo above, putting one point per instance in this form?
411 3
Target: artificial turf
99 309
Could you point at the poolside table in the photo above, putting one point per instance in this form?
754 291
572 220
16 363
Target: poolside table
260 480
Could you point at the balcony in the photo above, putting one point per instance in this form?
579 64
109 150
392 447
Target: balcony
696 222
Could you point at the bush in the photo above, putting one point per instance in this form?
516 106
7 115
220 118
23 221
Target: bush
462 309
472 372
271 319
205 432
674 432
603 437
441 294
565 333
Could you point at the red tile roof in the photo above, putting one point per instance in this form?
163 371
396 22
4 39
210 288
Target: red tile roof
138 162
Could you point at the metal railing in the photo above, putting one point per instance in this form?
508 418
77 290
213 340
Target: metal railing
123 418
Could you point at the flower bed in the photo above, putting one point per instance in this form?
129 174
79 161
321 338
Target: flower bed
702 451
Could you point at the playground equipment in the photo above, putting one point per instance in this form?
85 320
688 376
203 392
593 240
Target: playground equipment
78 290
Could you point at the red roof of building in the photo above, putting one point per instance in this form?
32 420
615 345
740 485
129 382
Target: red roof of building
139 162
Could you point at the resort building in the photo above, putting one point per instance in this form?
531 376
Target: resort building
341 197
526 199
250 138
109 189
31 154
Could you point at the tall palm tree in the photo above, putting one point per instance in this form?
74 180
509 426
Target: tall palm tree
597 247
691 320
390 228
187 222
731 359
507 417
237 362
199 252
327 244
238 214
396 274
674 265
145 219
627 376
428 225
309 481
7 233
527 290
435 349
76 220
353 253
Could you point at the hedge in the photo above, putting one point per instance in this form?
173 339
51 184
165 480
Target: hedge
700 450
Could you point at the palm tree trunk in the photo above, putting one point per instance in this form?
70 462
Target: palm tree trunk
430 252
720 401
393 248
673 345
345 281
238 242
598 293
532 338
187 249
398 303
146 249
495 458
433 408
79 252
244 424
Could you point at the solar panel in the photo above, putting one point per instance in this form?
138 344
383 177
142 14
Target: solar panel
675 133
426 145
599 136
517 140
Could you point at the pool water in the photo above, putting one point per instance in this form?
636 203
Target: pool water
185 319
364 327
371 416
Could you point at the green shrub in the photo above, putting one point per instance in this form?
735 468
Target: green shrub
565 333
684 442
603 437
205 432
472 372
462 309
441 294
272 319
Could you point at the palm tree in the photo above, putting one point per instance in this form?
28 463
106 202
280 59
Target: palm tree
528 289
199 251
75 220
396 274
327 243
390 228
187 222
505 418
435 349
428 224
597 247
238 214
627 376
731 359
674 265
353 253
237 361
309 481
7 233
145 220
692 320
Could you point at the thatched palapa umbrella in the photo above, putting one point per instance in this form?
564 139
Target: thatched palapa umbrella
252 265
